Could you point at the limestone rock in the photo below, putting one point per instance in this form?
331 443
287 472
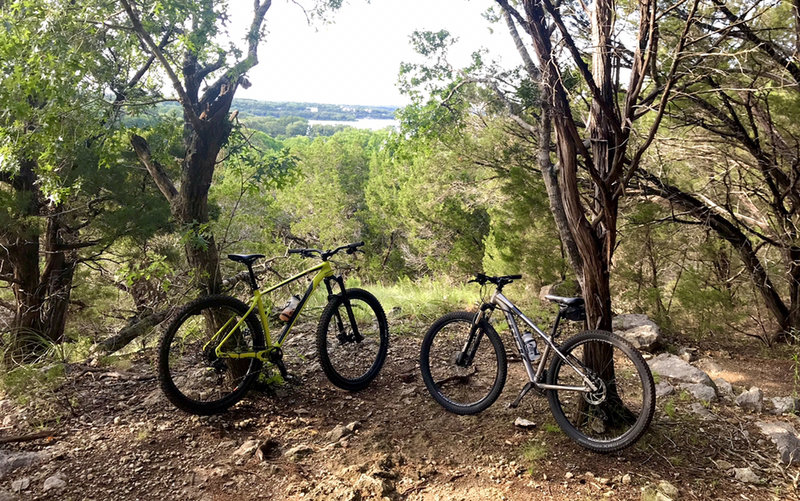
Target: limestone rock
708 366
701 411
701 392
7 496
664 389
724 465
54 483
10 461
673 367
638 330
687 354
524 423
21 484
338 432
247 448
782 405
724 388
372 487
751 400
299 452
668 489
746 475
784 436
665 491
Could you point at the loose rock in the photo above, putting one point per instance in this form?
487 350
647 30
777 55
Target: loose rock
782 405
724 388
724 465
746 475
54 483
524 423
247 448
784 436
638 330
668 489
10 461
673 367
699 391
338 432
751 400
299 452
664 389
701 411
20 484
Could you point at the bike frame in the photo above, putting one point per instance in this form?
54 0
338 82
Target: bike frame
324 274
511 312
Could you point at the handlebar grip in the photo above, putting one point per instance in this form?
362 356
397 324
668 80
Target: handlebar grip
359 244
296 251
515 277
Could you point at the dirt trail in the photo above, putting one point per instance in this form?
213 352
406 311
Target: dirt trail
313 441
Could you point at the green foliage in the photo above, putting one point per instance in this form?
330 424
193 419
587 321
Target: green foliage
533 453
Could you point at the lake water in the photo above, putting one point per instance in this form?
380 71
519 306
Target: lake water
363 123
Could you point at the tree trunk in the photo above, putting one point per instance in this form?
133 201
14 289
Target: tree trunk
793 322
733 235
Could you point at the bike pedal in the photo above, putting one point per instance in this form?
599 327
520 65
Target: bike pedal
525 389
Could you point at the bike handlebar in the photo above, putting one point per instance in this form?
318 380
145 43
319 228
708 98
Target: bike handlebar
349 248
498 281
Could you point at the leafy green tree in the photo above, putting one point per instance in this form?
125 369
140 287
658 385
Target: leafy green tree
66 192
190 32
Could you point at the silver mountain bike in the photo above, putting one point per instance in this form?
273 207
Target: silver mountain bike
599 388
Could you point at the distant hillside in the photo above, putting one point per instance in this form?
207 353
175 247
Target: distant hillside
312 111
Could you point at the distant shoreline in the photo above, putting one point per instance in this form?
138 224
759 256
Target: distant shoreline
361 123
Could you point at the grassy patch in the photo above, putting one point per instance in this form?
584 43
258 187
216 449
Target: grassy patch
34 386
551 428
533 452
670 408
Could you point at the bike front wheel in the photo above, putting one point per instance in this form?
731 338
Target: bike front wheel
352 349
465 375
618 412
192 377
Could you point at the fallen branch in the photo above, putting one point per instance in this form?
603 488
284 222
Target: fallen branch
26 438
136 327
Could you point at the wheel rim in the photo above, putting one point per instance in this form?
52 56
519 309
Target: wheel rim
613 410
351 358
197 373
458 383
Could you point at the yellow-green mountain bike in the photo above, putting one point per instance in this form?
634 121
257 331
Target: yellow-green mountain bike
216 346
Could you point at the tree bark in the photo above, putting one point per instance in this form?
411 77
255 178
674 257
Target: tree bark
137 326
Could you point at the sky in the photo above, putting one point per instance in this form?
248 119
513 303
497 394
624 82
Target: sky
356 59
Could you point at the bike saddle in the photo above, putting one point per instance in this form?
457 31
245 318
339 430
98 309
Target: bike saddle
566 301
245 258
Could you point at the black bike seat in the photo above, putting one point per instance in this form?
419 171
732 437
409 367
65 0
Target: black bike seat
566 301
245 258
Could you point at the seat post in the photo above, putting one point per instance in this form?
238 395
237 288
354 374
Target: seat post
253 284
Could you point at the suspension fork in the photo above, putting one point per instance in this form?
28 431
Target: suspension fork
357 337
474 339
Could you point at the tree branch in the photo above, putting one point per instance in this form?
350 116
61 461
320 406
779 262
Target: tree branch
145 37
155 169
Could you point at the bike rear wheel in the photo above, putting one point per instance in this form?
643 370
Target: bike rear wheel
352 361
192 377
620 410
463 386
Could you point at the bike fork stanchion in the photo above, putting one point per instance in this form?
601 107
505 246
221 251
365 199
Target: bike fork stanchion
351 317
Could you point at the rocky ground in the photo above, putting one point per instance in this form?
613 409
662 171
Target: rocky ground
118 438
